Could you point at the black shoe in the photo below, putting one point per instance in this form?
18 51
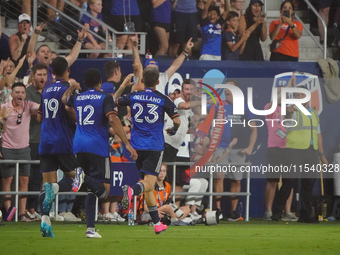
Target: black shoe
276 217
308 220
235 216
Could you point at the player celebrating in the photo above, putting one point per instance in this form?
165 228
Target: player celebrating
147 108
56 141
95 111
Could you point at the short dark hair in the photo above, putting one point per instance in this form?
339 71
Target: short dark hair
188 81
232 15
110 67
39 66
59 66
237 84
18 84
150 76
214 8
43 45
92 77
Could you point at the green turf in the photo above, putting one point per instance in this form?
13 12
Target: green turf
254 237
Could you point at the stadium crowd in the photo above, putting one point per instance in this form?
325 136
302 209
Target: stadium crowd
31 73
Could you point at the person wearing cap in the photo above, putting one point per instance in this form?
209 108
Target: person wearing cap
254 20
18 42
174 91
289 47
304 147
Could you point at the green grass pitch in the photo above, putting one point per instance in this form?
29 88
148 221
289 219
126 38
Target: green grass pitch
254 237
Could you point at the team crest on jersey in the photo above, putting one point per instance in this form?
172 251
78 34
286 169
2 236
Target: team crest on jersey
310 81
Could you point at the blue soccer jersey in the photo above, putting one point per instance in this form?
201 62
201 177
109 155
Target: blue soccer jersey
147 108
92 109
57 129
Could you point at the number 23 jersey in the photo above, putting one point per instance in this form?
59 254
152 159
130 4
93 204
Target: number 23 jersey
147 109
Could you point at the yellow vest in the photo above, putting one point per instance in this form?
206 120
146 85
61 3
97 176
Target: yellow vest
299 137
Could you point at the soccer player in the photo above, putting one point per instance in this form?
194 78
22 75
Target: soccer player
55 149
95 113
147 109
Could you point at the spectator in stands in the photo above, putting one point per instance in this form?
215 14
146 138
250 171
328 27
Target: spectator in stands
254 20
232 43
246 138
237 6
211 30
184 26
33 93
15 145
43 53
323 7
92 42
125 17
8 78
161 22
288 50
18 43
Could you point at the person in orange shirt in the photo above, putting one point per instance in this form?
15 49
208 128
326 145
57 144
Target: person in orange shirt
289 31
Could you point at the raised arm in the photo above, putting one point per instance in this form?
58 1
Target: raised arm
205 9
126 83
73 86
16 45
33 40
179 60
137 65
72 57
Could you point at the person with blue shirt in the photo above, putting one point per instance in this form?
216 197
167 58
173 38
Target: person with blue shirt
232 43
246 137
211 30
95 114
55 149
91 42
147 109
161 22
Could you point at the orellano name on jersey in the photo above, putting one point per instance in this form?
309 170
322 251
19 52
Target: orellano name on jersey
88 97
147 98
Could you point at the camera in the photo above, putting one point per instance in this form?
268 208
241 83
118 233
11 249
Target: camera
286 13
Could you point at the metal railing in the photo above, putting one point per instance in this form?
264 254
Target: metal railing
324 48
17 193
110 47
211 193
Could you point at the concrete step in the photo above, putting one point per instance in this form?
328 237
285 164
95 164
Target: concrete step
307 54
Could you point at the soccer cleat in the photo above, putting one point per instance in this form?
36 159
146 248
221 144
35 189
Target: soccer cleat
267 215
78 179
92 234
49 196
127 194
160 228
46 230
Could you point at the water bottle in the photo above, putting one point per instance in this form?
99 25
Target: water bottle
148 55
131 221
57 17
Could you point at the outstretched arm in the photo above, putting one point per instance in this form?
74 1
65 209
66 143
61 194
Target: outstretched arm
137 65
179 60
72 57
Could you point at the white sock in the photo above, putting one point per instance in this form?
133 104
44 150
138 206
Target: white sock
46 219
158 223
55 188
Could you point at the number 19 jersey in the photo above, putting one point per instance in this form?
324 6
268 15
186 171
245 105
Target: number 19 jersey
148 108
57 128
